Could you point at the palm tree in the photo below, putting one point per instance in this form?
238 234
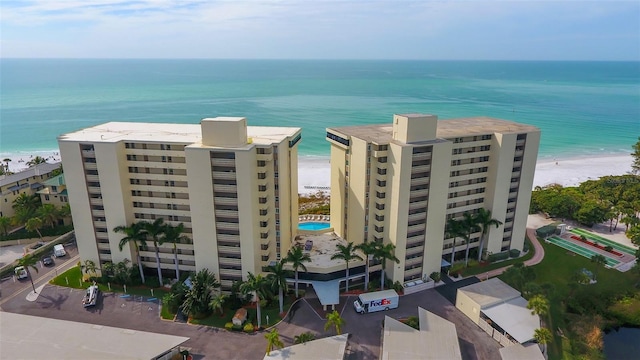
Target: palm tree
384 253
49 214
538 304
255 285
470 226
303 338
5 224
35 161
484 220
543 336
368 249
89 266
155 230
454 230
65 211
278 280
174 235
334 320
21 216
273 340
217 303
598 259
197 300
296 257
346 253
24 201
34 224
136 235
29 261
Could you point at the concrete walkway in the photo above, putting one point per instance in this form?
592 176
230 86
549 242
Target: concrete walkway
536 259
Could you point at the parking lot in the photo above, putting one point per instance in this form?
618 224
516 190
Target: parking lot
142 313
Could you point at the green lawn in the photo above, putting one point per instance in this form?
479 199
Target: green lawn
73 278
556 268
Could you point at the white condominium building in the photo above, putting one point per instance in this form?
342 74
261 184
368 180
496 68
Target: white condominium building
401 182
234 187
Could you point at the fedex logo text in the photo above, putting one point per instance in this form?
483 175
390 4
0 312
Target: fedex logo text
382 302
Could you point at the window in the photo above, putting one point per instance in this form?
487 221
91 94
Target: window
46 197
337 139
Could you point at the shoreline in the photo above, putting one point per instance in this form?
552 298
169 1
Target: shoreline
314 171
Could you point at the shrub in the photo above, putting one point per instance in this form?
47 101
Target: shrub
609 248
248 328
228 326
498 256
236 327
514 253
397 286
435 276
413 322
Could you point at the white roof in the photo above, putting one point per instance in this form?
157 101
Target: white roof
113 132
37 170
437 339
514 317
519 352
490 292
331 348
31 337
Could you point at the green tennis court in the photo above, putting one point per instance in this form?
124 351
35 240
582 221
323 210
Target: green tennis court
565 244
604 241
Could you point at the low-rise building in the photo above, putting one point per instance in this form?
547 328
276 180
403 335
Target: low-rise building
28 182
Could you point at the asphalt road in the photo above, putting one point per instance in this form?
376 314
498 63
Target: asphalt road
141 313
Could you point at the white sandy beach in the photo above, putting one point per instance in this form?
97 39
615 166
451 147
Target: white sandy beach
314 171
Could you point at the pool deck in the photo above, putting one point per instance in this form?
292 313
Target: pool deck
324 245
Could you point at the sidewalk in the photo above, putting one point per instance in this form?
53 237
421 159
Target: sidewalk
536 259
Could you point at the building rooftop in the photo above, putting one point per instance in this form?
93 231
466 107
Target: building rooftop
490 292
55 181
168 133
31 337
514 318
520 352
331 348
436 339
36 170
451 128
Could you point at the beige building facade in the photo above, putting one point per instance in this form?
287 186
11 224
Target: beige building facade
233 186
28 181
402 182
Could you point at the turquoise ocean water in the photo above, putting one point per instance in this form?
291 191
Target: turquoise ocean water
583 108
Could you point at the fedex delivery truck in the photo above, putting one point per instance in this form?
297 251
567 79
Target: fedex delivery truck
376 301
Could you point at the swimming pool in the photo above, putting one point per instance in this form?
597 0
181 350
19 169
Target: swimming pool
313 225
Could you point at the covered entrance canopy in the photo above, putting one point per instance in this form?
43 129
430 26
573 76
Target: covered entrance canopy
515 319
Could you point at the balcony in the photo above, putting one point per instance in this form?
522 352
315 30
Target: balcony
420 181
418 193
229 261
225 188
414 261
230 238
418 205
230 250
95 201
415 250
421 168
223 162
225 201
421 156
227 213
224 175
90 166
412 272
231 273
97 213
417 216
227 226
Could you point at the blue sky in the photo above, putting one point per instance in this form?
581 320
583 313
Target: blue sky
322 29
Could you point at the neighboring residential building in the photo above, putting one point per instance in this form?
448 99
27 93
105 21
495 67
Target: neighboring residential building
27 182
401 182
436 339
234 187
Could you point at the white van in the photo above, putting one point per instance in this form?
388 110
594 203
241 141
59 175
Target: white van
21 272
376 301
58 250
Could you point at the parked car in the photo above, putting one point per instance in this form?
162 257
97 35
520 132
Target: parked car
47 261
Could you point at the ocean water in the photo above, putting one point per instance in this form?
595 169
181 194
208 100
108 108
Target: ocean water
582 108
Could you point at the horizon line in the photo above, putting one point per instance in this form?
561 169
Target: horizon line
318 59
